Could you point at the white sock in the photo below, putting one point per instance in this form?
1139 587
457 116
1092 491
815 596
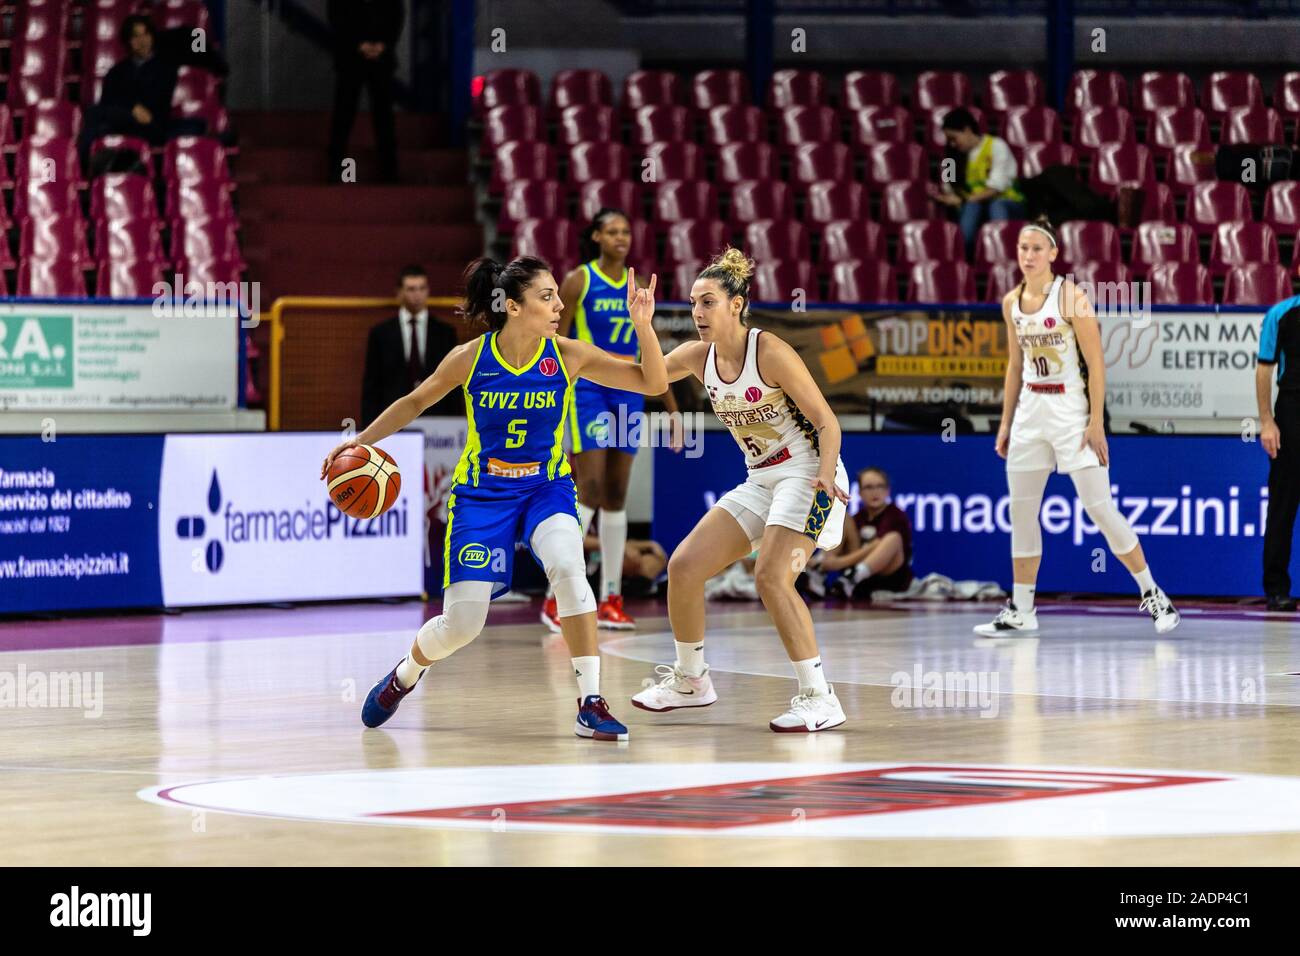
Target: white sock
1145 581
1023 596
585 515
690 658
408 672
862 570
613 540
811 678
587 670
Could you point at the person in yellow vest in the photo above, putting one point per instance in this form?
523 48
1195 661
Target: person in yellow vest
987 189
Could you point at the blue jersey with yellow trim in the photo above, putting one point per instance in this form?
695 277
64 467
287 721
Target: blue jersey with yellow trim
602 317
516 418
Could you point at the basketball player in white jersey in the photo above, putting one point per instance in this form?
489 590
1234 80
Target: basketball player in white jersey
1052 417
792 502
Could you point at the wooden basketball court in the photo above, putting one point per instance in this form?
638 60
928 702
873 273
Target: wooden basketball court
233 737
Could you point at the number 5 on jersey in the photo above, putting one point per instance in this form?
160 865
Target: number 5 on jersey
518 434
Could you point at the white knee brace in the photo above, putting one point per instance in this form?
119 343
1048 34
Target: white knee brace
557 542
1092 485
1026 489
464 612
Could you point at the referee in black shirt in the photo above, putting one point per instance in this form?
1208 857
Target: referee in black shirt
1279 345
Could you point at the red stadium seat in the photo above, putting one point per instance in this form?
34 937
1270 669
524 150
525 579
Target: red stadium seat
891 162
760 199
124 144
1180 283
588 161
1089 88
1035 157
1257 283
808 124
643 256
192 158
555 240
1023 125
531 199
796 88
1226 90
1209 204
940 282
1003 277
683 277
598 194
675 160
933 126
1005 90
1088 241
47 160
712 88
1189 165
206 240
592 123
685 199
1241 243
662 123
1253 124
1102 125
130 279
1286 99
1158 88
782 281
902 202
509 88
1102 273
171 14
37 65
40 200
201 200
881 124
117 196
997 242
1174 126
1157 205
194 85
1282 207
129 240
735 123
206 271
812 162
767 239
741 161
512 122
829 200
652 88
863 280
579 88
51 118
63 278
936 88
54 237
522 159
1121 164
694 240
863 88
929 240
1157 242
846 239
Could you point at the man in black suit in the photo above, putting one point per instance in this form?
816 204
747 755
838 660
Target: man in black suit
365 54
391 368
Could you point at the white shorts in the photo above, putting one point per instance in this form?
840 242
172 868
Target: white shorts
1047 432
782 495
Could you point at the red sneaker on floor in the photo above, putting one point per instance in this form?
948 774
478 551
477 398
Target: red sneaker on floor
551 616
610 615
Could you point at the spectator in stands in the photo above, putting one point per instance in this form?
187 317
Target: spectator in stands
365 54
1279 347
403 351
984 187
876 553
136 99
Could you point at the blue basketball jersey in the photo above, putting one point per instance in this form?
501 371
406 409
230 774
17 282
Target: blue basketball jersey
602 317
516 418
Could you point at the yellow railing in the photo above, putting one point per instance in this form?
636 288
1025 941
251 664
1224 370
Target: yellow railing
319 302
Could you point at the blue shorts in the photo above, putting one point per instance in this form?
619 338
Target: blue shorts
602 417
484 523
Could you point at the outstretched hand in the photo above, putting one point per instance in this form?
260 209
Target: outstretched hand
640 302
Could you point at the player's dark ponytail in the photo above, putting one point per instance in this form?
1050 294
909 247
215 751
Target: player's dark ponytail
484 276
589 248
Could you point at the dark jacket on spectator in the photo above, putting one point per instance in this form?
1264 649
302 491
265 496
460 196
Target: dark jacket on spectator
387 376
150 84
366 21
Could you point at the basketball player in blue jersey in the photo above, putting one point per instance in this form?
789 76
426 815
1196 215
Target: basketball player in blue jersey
595 311
513 481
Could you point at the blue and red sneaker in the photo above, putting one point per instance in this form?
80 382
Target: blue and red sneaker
595 721
381 703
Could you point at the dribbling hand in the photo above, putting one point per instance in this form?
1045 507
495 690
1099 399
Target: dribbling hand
329 459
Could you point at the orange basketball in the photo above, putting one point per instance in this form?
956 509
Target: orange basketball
364 481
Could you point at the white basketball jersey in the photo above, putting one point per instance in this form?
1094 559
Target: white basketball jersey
766 423
1051 351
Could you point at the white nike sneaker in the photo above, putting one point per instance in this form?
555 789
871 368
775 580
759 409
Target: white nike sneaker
675 689
1156 603
810 713
1010 622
